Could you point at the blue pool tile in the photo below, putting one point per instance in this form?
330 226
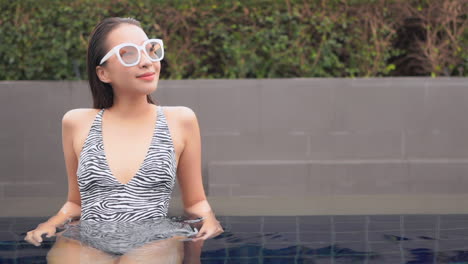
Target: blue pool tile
218 253
309 250
385 259
350 236
384 226
31 260
249 219
454 217
420 234
213 249
350 248
279 260
384 218
453 244
385 247
6 222
454 224
222 218
5 227
223 236
25 246
233 260
394 238
22 228
280 219
420 256
383 236
10 236
213 261
5 260
244 227
419 225
460 233
279 250
314 237
453 256
314 260
314 227
29 222
351 261
30 254
245 237
7 253
349 227
8 245
243 250
312 242
420 218
315 249
346 259
349 218
314 219
281 237
418 245
280 227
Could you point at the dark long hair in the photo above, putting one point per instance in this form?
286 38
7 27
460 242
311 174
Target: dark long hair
103 95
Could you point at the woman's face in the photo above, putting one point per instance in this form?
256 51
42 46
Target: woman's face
124 79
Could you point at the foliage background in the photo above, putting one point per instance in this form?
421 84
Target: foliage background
47 40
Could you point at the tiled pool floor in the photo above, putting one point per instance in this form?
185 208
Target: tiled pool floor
300 239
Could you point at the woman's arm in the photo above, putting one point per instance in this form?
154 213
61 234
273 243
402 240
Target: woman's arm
68 211
72 207
189 166
190 177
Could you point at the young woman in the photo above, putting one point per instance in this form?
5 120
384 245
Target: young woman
123 155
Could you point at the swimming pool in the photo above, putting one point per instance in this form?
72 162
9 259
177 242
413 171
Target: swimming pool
317 239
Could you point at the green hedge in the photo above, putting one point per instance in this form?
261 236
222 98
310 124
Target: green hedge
46 40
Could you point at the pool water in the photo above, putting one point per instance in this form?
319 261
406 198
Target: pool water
300 239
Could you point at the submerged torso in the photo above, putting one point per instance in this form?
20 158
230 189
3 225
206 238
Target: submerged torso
145 196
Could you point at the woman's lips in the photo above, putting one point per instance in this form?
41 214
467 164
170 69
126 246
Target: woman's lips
147 77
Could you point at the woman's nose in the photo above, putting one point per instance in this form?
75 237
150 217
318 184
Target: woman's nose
145 61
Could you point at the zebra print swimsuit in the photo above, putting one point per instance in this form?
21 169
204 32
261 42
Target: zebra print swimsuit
145 196
115 217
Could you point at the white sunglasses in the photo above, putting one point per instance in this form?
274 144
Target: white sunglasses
129 53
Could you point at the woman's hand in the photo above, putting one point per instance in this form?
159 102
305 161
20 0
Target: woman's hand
210 228
35 236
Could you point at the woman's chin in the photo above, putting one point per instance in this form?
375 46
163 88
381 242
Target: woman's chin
151 87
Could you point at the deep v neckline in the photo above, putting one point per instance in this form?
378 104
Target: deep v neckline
153 137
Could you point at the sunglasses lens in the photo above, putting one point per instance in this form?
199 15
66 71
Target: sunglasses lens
155 50
129 54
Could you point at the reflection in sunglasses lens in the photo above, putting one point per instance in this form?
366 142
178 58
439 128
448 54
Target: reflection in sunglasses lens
129 54
154 50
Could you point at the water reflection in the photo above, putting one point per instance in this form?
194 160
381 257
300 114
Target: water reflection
165 240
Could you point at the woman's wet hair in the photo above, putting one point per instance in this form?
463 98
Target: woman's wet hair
103 95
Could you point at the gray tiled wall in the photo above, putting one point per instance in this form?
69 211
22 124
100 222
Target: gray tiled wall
267 137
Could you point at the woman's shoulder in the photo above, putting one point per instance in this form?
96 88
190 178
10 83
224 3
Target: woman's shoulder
179 110
183 124
79 115
183 114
